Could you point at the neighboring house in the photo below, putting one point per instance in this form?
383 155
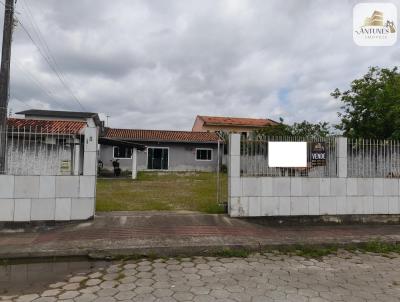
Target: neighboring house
165 150
45 147
243 126
88 117
49 142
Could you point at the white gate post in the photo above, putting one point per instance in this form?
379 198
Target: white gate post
134 163
234 188
341 156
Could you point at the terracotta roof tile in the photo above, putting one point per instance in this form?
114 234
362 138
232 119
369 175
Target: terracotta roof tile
237 121
46 126
161 135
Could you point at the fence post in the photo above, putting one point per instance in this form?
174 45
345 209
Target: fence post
233 168
134 163
341 156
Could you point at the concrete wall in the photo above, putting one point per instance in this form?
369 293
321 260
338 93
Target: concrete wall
52 198
182 157
295 196
33 198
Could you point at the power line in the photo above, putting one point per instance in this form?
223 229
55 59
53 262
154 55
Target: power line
51 65
42 39
37 82
49 58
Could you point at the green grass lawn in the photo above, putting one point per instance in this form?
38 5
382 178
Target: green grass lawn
160 191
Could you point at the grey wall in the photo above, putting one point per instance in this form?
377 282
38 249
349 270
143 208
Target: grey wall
182 157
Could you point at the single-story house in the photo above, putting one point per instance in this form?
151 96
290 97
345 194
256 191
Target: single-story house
164 150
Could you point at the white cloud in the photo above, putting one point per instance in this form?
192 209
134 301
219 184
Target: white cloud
157 64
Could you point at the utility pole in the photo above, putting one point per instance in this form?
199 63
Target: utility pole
5 79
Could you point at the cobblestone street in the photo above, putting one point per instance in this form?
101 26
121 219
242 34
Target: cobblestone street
270 277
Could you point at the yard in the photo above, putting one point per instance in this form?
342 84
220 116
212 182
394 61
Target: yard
160 191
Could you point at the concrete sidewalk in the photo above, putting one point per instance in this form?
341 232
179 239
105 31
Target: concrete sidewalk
169 233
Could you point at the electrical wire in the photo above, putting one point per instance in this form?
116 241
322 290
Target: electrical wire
48 57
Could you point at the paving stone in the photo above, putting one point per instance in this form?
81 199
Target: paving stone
126 287
143 290
68 294
108 284
111 276
105 299
90 289
125 295
163 292
50 292
45 299
71 286
57 285
86 298
77 279
27 298
107 292
95 275
144 298
349 277
183 296
92 282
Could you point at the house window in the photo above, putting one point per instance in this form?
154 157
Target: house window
157 158
122 152
203 154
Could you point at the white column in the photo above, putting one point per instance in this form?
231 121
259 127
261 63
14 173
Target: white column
77 159
134 163
90 152
341 156
234 189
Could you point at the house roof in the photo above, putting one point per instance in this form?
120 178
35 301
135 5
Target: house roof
120 143
236 121
161 135
61 114
45 126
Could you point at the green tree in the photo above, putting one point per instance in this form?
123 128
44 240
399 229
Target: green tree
303 129
372 105
307 129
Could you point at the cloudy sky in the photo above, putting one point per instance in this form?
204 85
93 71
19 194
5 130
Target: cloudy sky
159 63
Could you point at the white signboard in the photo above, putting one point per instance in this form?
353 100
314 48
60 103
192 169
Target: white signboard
287 154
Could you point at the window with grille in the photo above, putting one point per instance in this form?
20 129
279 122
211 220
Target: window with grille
203 154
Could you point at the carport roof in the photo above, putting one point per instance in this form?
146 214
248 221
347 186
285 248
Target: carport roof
162 135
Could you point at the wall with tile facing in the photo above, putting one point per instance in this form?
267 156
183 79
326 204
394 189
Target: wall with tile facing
52 198
297 196
34 198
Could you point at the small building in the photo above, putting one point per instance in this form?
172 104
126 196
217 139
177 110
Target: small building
51 167
239 125
164 150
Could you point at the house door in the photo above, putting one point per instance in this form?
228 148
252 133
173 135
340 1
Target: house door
157 158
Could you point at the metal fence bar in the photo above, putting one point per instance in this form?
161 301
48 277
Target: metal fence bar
35 151
373 158
365 158
254 157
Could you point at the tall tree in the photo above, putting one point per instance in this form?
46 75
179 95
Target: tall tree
302 129
307 129
371 107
